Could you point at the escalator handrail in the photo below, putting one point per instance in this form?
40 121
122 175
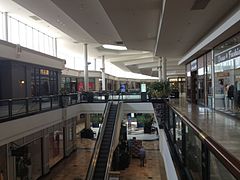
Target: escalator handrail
111 151
92 165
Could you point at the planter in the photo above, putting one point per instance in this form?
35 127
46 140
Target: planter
161 110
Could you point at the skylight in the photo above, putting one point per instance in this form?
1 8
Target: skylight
114 47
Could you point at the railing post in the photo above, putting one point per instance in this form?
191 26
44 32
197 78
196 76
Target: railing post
174 127
51 101
71 98
27 106
205 162
40 103
10 108
184 143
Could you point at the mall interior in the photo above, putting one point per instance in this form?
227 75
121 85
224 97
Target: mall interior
85 85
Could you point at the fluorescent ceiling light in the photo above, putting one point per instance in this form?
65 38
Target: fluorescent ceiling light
114 47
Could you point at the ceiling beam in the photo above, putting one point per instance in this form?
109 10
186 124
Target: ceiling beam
170 68
130 57
139 61
148 65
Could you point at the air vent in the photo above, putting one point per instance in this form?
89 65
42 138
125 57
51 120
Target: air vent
119 42
35 18
200 4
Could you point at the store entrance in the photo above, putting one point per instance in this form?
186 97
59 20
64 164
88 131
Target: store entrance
194 87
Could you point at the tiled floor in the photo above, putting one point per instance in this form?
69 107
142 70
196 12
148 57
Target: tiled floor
75 166
153 168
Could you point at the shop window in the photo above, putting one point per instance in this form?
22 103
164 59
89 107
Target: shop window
55 147
3 162
29 161
226 62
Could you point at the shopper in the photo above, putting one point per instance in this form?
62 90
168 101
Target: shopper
142 155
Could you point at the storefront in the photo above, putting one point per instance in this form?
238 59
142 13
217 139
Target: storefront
28 160
227 75
55 144
226 72
177 83
192 83
19 80
3 162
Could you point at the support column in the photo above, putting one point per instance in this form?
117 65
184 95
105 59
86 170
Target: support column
86 88
164 69
6 25
159 69
213 81
56 47
103 74
95 64
87 121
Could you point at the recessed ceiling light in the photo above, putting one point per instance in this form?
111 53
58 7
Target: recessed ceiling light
114 47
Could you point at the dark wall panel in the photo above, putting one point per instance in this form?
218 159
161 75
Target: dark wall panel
5 80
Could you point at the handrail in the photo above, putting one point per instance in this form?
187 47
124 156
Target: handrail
226 158
109 161
92 165
37 104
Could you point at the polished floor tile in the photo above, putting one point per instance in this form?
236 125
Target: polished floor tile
76 165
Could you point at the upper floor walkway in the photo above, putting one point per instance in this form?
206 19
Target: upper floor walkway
223 128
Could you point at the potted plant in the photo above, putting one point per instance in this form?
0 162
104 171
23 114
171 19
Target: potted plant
159 93
159 90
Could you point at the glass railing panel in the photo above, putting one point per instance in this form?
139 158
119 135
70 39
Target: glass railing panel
73 98
46 103
33 104
55 101
4 109
170 125
178 133
19 107
218 171
193 154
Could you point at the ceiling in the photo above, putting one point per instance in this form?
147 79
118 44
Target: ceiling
148 28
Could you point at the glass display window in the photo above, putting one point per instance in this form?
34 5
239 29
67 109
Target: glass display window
3 162
55 151
227 81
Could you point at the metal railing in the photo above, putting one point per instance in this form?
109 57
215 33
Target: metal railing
198 155
20 107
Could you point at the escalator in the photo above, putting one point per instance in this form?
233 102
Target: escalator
103 155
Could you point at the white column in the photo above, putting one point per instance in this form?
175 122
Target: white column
213 82
164 69
103 74
159 70
86 88
56 47
87 121
95 64
6 25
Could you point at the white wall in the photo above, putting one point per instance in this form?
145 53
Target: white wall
138 108
15 129
8 50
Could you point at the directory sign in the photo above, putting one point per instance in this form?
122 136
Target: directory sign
143 88
123 88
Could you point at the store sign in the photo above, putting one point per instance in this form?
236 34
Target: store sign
194 65
229 54
223 74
